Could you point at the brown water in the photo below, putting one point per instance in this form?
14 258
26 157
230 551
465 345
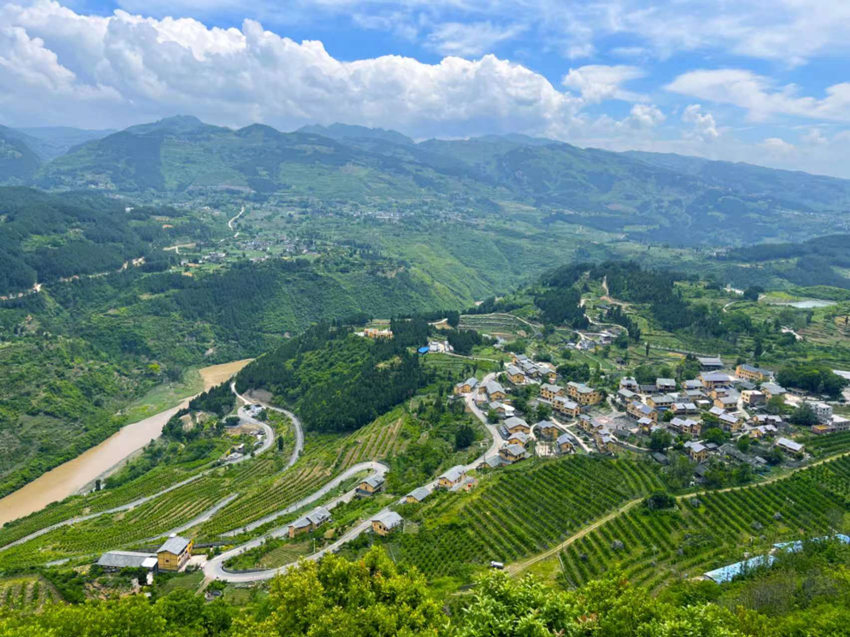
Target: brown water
70 477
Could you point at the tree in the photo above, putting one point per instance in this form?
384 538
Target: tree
743 444
715 435
804 416
337 597
544 411
464 436
659 500
280 443
758 348
660 439
776 405
492 416
752 293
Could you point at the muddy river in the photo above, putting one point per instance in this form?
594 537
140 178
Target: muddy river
69 478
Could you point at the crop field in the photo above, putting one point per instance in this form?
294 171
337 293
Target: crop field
26 593
519 511
711 529
828 444
324 457
505 325
120 530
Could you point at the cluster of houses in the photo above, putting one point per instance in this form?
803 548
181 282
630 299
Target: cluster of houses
732 402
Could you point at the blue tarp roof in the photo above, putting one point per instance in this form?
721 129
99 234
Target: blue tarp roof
728 573
797 545
423 350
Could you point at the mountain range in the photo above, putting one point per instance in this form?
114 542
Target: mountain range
649 197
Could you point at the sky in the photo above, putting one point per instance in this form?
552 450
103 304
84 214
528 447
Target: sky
761 81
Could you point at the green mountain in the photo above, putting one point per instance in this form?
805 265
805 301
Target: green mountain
649 198
18 161
46 236
50 142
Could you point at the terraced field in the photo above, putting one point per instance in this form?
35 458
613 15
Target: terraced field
505 325
519 511
325 456
26 593
712 529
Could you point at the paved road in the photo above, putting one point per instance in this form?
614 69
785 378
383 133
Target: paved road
214 568
267 443
376 468
296 423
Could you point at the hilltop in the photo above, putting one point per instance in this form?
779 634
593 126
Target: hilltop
647 197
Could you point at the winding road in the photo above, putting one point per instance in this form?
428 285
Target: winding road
214 568
268 440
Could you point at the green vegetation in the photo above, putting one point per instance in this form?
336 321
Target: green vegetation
711 529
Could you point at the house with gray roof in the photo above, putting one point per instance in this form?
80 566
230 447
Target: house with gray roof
117 560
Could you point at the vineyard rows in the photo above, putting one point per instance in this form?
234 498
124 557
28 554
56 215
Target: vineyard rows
711 529
524 510
25 593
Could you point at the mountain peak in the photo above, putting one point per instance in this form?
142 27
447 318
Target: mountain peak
350 131
173 124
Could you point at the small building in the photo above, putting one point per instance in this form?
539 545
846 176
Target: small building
370 486
466 386
661 402
417 495
174 553
625 396
310 522
665 384
697 451
731 422
710 363
494 390
627 382
117 560
772 390
512 453
750 372
823 411
515 374
726 402
503 410
752 397
550 391
451 477
519 438
547 429
683 408
565 443
386 522
565 406
685 426
583 394
712 380
789 446
514 424
692 384
639 410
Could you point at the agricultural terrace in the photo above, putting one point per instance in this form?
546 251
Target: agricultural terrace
517 511
506 326
26 593
710 529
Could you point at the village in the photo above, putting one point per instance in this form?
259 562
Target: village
724 415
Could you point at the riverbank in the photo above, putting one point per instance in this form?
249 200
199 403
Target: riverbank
74 475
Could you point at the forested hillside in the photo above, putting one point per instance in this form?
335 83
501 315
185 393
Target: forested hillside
45 237
76 352
684 201
336 381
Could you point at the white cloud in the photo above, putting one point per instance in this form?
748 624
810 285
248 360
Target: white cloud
597 82
644 116
231 76
471 39
777 146
756 93
703 126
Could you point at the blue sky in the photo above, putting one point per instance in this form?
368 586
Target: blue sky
751 80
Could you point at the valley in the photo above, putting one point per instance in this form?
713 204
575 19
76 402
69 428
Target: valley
462 362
